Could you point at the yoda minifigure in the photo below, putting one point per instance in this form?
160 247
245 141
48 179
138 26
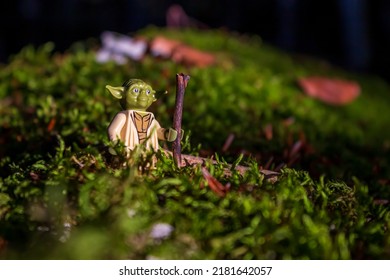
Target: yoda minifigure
134 125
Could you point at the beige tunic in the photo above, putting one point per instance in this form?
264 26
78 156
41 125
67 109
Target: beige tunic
124 127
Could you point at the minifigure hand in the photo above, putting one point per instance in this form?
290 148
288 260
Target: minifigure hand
170 134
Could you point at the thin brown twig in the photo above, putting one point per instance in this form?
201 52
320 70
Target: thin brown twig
181 84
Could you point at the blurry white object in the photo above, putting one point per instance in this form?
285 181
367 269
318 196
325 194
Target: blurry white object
117 47
161 231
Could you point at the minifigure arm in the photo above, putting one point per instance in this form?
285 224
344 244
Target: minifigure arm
115 127
161 134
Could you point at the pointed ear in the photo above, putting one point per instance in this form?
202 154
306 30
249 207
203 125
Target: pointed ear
116 91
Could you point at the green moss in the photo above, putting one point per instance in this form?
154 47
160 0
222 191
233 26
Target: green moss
63 196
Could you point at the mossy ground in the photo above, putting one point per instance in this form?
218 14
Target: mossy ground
62 196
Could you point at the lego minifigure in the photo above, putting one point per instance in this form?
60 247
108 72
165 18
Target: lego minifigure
134 125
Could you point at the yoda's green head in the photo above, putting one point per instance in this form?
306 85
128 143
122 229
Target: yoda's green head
134 94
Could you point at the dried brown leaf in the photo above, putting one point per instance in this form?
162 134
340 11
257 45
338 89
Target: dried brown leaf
268 132
330 91
214 184
192 57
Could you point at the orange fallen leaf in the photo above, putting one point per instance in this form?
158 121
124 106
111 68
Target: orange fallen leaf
164 47
180 52
268 131
192 57
330 91
51 124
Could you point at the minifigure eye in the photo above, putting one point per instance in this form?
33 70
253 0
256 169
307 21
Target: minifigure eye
147 91
135 90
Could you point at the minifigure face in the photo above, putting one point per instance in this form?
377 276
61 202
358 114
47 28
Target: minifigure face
139 96
134 95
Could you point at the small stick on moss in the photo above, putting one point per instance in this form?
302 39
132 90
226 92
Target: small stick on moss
189 160
181 84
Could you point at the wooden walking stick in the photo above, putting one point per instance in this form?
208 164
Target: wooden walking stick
181 84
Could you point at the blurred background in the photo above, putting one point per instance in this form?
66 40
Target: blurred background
354 34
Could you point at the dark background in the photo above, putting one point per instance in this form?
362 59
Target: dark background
354 34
